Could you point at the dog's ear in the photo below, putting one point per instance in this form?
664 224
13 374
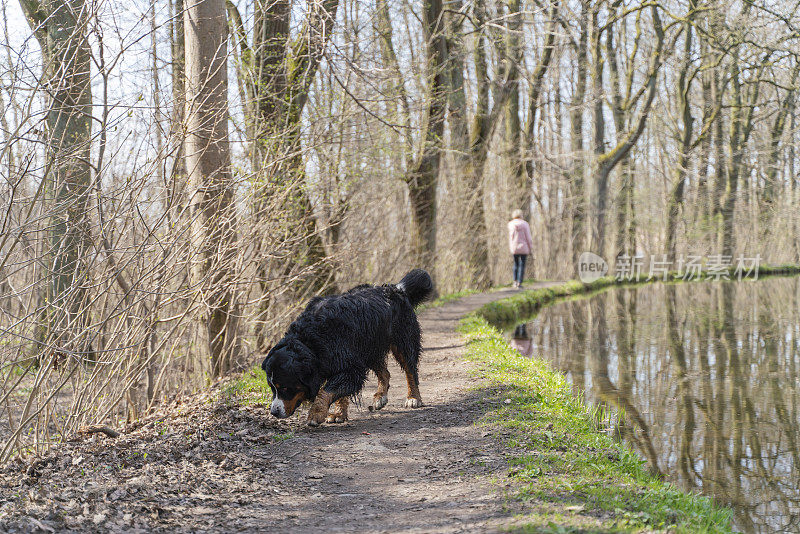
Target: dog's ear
265 364
309 376
307 370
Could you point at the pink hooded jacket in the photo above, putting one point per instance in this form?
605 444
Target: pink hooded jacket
519 237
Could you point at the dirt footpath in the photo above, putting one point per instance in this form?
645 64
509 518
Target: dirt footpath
205 466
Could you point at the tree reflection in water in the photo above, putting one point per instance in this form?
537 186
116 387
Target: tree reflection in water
701 379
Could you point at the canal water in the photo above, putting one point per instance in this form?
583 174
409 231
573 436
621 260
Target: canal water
701 378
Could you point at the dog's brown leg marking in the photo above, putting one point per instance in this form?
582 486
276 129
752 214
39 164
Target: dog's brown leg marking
381 396
413 398
338 411
319 409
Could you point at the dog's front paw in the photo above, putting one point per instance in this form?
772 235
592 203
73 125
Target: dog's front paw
378 402
315 418
413 403
319 409
335 418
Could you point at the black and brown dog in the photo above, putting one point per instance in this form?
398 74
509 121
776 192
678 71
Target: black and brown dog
327 352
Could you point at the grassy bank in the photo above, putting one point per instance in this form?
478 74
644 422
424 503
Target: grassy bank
575 475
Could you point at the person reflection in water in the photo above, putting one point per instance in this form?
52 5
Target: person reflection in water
522 341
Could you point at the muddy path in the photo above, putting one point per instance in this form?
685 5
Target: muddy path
207 466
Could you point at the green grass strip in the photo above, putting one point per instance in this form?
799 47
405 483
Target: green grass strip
563 456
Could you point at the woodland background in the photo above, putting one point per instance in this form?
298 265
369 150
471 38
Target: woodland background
178 177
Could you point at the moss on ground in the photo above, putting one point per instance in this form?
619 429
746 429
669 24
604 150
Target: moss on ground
248 389
574 475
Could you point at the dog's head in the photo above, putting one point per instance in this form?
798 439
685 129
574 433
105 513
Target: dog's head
292 376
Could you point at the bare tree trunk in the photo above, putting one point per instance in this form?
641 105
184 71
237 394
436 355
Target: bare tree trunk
794 180
685 107
465 185
725 236
156 93
482 129
512 58
444 71
702 209
178 52
525 172
625 242
477 150
60 28
577 181
620 114
776 134
456 98
383 27
208 166
720 168
601 173
423 177
608 160
741 125
277 74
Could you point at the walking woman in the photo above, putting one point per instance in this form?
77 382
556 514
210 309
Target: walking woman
520 243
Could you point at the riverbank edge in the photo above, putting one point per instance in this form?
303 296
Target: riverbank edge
528 303
563 455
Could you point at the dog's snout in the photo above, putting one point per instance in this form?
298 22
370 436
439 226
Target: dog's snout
277 409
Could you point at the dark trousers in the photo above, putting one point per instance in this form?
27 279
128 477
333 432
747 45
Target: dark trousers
519 267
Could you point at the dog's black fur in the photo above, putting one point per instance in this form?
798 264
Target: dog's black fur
328 350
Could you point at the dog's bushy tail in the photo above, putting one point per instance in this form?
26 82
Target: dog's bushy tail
417 285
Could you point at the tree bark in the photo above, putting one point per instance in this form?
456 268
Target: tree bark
277 73
743 108
60 28
477 148
178 52
207 155
577 179
383 27
608 160
776 134
601 173
741 126
684 104
702 200
625 241
525 173
512 58
423 177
